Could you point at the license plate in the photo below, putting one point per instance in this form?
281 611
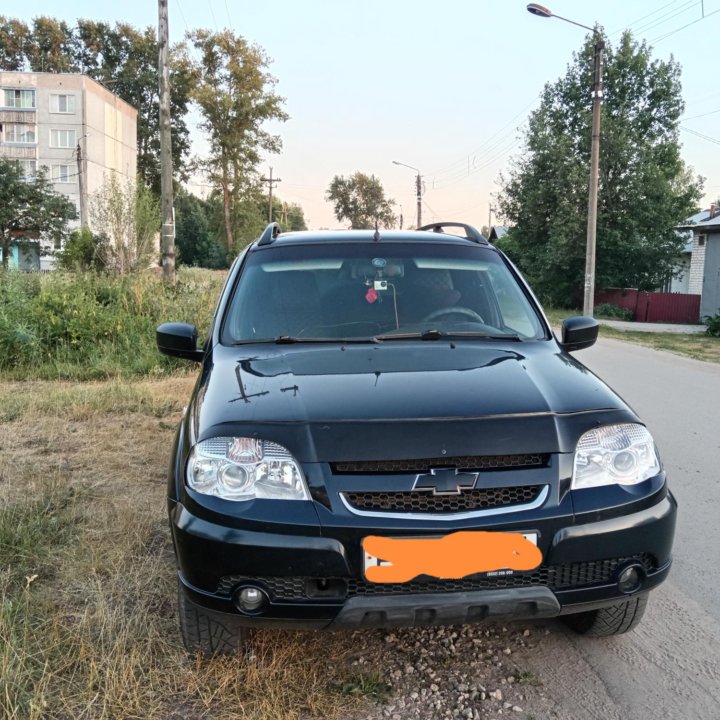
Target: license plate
451 556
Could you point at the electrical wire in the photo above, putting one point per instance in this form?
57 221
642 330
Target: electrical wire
227 9
212 14
667 35
700 135
640 19
182 14
675 12
712 112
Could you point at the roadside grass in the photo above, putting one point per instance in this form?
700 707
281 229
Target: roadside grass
697 346
94 326
87 589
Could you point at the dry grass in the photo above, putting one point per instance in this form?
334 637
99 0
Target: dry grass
87 614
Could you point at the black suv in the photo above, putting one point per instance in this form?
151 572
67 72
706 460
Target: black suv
385 431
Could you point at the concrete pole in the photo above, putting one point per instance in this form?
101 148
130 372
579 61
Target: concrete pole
166 168
589 300
418 187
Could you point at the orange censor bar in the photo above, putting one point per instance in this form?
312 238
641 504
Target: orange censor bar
451 557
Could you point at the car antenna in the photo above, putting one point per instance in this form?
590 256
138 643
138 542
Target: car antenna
376 234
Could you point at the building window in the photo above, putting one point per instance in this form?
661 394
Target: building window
701 240
62 138
28 168
62 173
19 99
62 104
17 133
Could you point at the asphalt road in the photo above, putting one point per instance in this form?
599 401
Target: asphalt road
669 667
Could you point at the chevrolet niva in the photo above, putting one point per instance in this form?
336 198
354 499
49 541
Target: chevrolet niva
385 431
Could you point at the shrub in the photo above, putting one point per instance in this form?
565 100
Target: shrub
607 310
713 325
92 325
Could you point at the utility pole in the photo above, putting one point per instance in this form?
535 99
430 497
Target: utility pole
418 187
166 168
589 300
81 186
270 181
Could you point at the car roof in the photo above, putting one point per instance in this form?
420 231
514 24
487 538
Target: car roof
274 236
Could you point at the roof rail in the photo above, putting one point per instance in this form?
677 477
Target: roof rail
269 234
470 231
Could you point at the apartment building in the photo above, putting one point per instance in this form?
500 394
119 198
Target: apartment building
72 125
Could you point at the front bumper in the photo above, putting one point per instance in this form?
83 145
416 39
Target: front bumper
313 581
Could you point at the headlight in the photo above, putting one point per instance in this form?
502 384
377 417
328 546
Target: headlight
240 468
615 455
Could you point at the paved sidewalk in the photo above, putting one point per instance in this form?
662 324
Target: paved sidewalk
653 327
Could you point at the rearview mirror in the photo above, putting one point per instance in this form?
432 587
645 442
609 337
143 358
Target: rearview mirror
178 340
579 332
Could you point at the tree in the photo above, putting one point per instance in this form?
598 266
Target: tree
121 57
645 188
30 208
194 240
361 199
127 217
290 215
236 98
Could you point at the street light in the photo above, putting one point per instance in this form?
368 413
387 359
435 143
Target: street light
418 188
589 299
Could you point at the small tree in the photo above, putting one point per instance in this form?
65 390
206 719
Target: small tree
30 208
127 216
361 199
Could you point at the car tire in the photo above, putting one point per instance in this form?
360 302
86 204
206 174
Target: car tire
613 620
209 633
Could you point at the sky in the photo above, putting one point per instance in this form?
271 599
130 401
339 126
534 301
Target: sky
445 86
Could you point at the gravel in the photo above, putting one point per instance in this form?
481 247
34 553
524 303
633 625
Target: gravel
463 672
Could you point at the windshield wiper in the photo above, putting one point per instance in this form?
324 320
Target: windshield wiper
293 339
435 334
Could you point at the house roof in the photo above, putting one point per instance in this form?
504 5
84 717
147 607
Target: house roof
702 220
497 231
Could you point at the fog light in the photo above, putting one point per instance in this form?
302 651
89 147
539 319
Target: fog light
250 599
630 578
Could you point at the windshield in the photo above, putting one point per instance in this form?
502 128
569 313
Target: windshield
362 291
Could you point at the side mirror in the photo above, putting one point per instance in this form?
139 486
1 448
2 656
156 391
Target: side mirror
578 333
179 340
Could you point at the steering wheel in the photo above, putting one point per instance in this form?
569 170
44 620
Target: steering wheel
452 310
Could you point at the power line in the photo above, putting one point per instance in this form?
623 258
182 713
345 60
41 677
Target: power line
182 14
227 9
212 15
666 17
700 135
640 19
667 35
712 112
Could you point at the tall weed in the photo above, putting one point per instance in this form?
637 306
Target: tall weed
92 325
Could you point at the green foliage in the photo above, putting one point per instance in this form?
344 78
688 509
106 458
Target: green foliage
361 199
608 310
194 242
235 95
30 208
82 251
645 189
122 57
94 325
713 325
127 216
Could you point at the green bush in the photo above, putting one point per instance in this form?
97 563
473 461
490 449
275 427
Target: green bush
614 312
92 325
713 325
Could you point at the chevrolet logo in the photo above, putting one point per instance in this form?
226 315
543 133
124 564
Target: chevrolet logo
445 481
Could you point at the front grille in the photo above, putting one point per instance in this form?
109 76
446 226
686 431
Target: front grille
461 462
427 502
556 577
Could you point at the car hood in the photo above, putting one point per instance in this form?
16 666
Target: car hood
401 398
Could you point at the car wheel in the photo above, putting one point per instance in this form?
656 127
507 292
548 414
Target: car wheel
207 632
613 620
